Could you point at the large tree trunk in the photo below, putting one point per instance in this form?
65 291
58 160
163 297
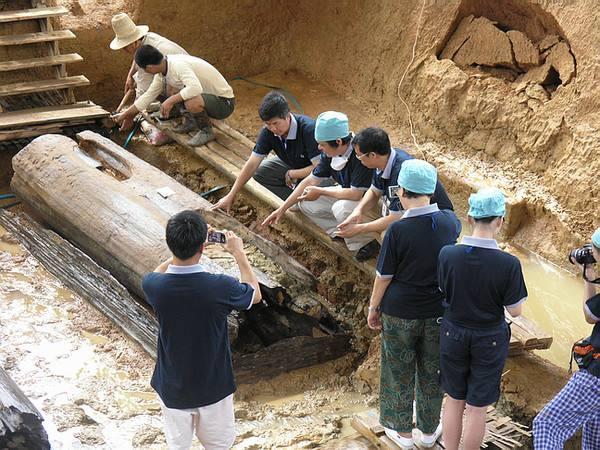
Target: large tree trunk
20 421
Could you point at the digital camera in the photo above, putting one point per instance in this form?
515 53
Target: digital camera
582 255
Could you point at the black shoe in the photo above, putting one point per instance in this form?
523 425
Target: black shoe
368 251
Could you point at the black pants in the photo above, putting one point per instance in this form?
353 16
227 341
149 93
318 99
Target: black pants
271 174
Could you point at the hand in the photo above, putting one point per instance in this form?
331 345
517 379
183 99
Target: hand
125 120
590 271
224 204
234 244
349 230
129 85
310 194
273 218
374 319
289 181
354 217
166 107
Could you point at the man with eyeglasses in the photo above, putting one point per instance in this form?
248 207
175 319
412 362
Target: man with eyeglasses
373 150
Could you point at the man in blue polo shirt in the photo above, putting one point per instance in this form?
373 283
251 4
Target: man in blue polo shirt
291 136
193 375
478 281
406 304
328 206
373 149
577 405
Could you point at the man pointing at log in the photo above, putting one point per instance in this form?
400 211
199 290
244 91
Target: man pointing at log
193 375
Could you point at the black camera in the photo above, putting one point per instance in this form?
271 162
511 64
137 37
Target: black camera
582 255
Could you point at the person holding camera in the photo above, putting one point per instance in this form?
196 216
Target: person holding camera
373 149
193 375
577 405
406 304
478 281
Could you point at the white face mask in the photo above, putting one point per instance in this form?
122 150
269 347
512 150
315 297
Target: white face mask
338 162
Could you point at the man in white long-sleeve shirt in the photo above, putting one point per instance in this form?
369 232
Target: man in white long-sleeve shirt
187 79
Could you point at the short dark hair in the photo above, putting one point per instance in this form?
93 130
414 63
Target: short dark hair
373 140
147 55
345 140
273 105
186 232
410 194
485 219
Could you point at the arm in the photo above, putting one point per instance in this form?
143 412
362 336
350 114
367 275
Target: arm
367 202
379 287
294 197
187 76
245 174
235 246
375 226
340 194
589 290
300 174
515 311
162 267
167 105
129 82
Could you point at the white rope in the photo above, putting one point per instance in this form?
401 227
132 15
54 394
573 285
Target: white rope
414 50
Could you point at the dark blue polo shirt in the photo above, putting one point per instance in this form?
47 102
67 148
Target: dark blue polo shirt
300 147
409 256
382 180
478 280
593 306
354 175
193 365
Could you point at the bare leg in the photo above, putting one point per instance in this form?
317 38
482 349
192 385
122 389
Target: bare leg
474 427
195 104
452 419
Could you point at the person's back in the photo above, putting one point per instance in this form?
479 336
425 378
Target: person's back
499 282
210 78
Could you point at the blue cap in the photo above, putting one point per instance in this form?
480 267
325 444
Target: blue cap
596 238
331 125
487 202
418 176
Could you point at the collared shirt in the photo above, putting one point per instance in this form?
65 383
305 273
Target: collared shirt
192 306
409 256
354 175
163 45
383 180
299 148
478 281
190 75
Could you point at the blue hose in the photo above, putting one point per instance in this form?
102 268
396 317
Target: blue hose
286 93
5 196
136 125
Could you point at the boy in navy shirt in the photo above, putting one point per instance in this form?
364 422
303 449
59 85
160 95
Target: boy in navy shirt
291 137
478 281
327 205
193 375
407 304
577 405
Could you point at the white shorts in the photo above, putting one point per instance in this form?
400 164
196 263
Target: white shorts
213 425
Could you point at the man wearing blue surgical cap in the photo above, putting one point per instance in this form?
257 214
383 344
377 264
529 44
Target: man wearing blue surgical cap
326 205
406 304
478 281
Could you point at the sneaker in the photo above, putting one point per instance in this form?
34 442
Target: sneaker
402 442
202 137
368 251
187 124
429 440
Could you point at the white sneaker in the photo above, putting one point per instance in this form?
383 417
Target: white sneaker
429 440
402 442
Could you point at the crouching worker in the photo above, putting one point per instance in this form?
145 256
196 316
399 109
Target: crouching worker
193 375
327 205
406 304
577 405
478 281
183 78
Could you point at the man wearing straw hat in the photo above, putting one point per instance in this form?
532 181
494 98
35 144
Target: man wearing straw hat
130 37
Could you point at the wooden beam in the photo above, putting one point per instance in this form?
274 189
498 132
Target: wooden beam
41 86
60 113
45 61
32 14
36 38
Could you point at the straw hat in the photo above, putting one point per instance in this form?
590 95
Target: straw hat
126 31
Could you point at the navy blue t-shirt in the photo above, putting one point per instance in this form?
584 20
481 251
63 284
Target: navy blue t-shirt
593 304
409 256
382 180
354 175
478 280
193 367
300 147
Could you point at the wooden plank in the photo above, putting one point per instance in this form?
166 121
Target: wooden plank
57 127
32 14
544 340
40 62
36 38
44 85
36 116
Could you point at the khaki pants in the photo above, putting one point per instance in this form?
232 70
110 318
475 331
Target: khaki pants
328 213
